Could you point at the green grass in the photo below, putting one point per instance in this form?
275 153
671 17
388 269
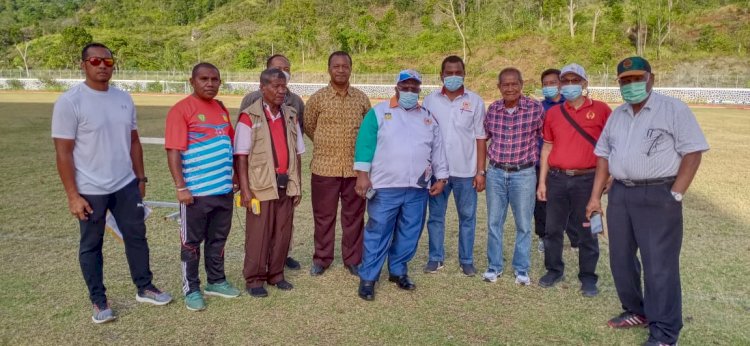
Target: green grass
43 299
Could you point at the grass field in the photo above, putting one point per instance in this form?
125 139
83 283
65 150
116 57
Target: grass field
43 299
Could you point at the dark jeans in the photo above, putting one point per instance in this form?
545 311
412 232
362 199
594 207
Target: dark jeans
647 218
540 221
126 206
566 205
209 218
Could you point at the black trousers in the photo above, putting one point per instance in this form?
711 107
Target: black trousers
566 205
540 221
209 218
647 218
127 207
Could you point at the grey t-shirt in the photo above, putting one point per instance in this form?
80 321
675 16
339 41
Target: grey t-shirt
652 143
292 100
100 122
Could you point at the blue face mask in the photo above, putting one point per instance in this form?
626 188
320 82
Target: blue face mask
407 100
571 92
550 92
453 83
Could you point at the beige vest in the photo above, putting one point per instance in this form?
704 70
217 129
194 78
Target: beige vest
261 167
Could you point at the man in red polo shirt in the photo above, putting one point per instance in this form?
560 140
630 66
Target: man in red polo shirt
566 176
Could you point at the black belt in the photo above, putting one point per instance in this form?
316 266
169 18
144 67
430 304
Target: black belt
511 168
573 172
646 182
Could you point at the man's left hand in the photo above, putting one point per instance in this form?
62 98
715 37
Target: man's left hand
142 188
437 187
296 200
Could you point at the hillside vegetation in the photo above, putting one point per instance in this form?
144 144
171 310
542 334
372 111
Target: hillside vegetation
681 37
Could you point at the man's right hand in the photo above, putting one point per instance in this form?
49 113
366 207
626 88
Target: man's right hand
595 205
363 184
79 207
185 197
245 197
541 192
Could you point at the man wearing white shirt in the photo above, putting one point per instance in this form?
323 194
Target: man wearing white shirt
460 115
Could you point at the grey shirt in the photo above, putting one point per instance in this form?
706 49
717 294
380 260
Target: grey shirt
100 123
652 143
292 100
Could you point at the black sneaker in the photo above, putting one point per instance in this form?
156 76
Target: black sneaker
258 292
292 264
589 290
283 285
627 320
433 266
468 269
549 280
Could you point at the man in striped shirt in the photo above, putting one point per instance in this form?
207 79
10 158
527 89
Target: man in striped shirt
198 140
514 126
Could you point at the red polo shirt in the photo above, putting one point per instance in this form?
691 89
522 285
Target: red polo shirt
570 150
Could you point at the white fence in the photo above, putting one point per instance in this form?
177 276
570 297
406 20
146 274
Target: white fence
737 96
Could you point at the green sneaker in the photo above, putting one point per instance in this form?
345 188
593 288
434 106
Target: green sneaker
194 301
222 289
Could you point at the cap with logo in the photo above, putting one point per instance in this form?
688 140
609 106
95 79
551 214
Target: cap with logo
408 74
576 69
633 66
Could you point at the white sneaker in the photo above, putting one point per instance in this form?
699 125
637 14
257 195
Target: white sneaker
540 246
522 278
491 275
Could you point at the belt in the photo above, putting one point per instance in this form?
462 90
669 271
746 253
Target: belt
511 168
646 182
573 172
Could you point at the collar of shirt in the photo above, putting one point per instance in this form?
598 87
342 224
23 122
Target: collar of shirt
652 99
523 104
587 102
333 92
547 103
444 91
269 116
394 103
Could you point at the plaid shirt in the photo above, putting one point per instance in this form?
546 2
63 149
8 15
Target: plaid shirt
514 137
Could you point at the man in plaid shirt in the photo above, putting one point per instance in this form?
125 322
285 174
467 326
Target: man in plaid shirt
514 126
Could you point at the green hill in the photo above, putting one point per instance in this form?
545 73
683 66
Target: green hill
684 39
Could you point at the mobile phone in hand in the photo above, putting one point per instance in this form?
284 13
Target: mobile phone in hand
596 223
370 193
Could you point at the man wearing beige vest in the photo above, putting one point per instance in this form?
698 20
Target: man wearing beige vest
268 144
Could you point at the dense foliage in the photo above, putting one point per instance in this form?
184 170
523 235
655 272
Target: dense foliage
383 35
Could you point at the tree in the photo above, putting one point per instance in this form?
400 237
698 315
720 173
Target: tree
74 38
571 18
24 55
451 11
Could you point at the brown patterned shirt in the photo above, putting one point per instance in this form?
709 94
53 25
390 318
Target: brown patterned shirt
332 121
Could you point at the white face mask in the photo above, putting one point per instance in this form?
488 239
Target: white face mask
288 76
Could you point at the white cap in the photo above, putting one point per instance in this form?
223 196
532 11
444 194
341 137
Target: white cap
574 68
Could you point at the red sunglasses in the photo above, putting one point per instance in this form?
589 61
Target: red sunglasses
95 61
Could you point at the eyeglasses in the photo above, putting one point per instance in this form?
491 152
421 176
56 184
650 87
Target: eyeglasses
566 81
96 61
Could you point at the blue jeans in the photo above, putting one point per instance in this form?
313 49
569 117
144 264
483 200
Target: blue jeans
465 197
395 218
519 190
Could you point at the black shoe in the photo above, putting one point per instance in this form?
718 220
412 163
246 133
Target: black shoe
283 285
292 264
353 269
403 282
589 290
549 279
366 290
257 292
468 269
317 270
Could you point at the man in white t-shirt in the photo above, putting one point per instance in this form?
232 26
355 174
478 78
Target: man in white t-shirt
100 162
460 114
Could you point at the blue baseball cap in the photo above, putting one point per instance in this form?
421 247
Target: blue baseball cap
408 74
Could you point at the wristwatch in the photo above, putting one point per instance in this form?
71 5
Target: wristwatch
677 196
482 173
142 180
